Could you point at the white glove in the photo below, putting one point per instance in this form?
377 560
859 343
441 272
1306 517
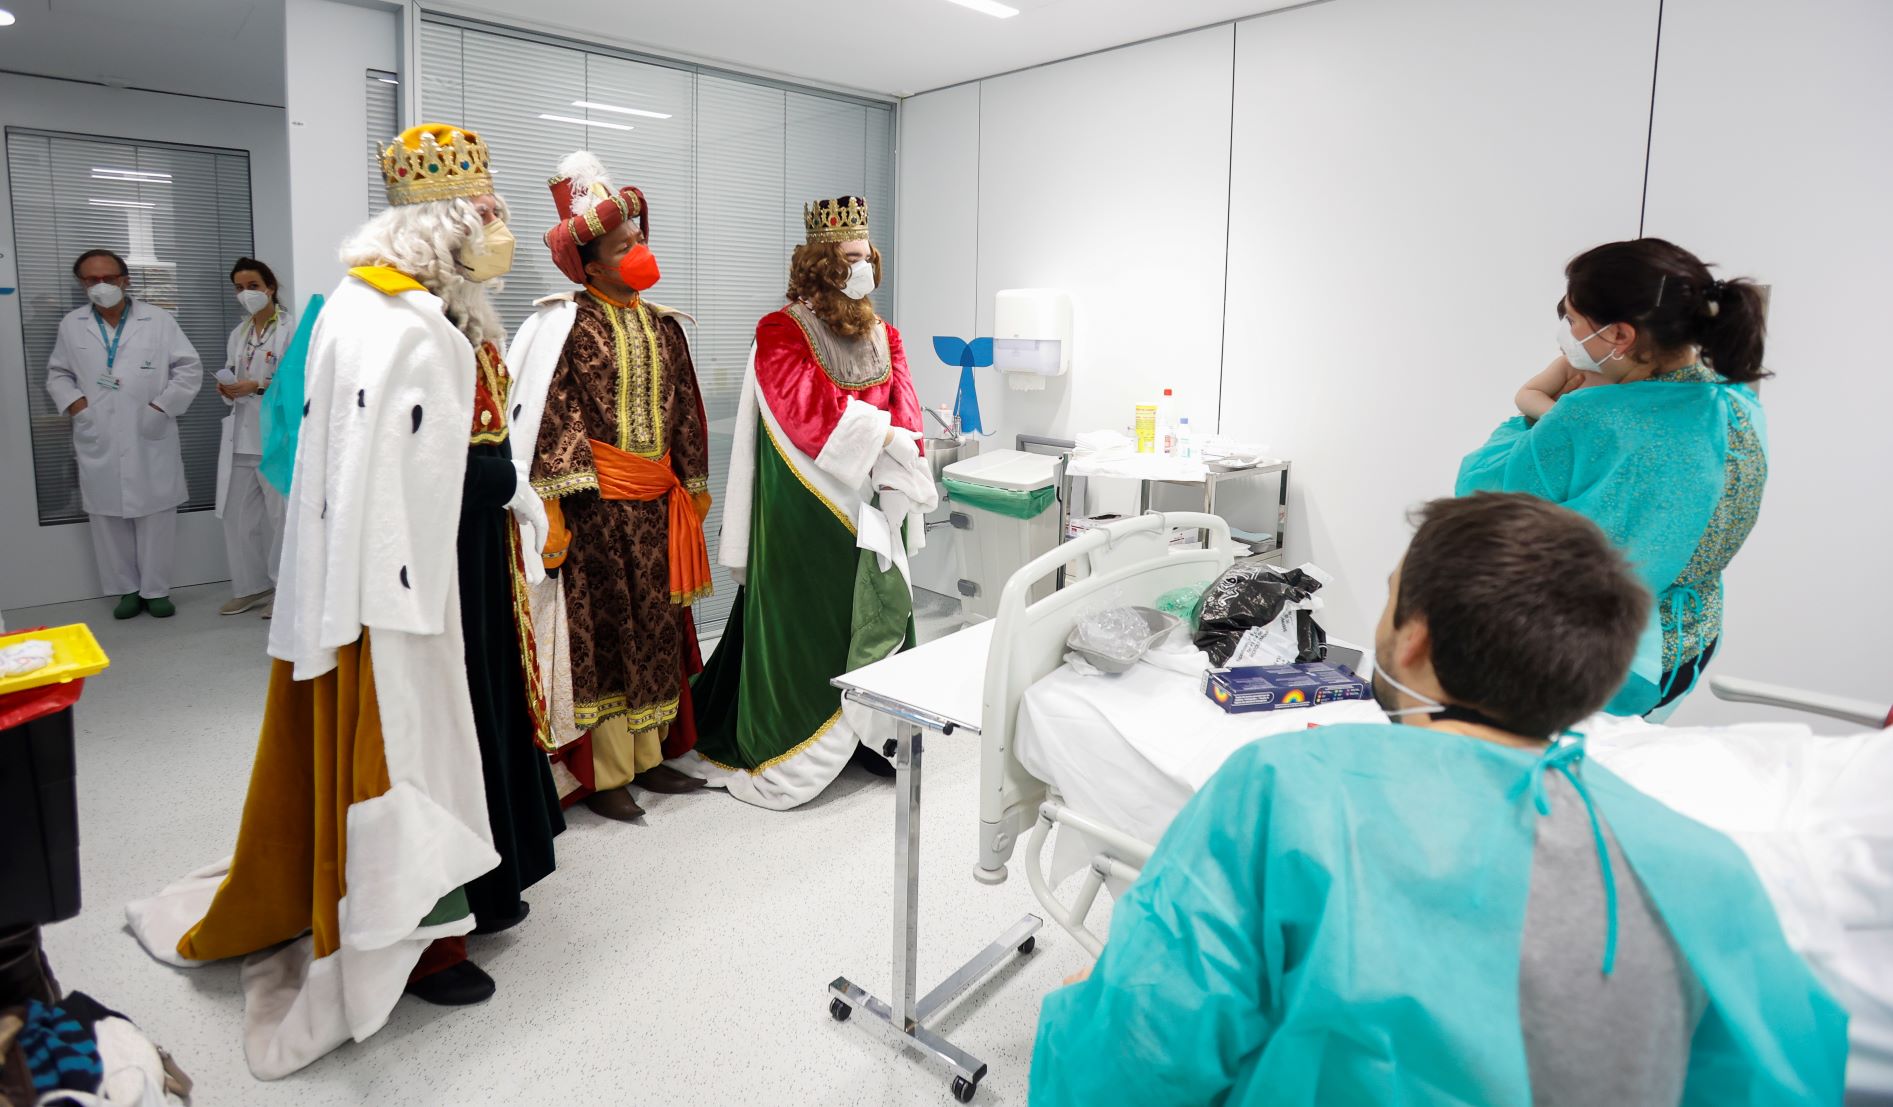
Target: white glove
902 449
529 511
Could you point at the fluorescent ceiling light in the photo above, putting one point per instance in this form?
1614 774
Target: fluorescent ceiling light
988 7
621 111
6 18
120 204
584 122
137 176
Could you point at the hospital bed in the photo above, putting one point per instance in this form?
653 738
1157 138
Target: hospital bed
1098 766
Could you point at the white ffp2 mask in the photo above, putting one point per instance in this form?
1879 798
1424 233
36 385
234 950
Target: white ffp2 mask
860 281
253 300
105 296
1573 348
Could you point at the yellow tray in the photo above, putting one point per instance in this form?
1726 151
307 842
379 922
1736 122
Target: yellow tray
75 654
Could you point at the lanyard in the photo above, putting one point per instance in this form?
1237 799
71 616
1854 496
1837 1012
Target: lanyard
252 342
111 343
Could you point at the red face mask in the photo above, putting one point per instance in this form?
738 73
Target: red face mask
639 267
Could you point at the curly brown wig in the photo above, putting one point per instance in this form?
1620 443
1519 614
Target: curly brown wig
817 273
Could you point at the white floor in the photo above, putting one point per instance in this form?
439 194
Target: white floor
683 961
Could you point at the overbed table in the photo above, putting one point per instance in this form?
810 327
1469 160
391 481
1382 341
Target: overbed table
936 687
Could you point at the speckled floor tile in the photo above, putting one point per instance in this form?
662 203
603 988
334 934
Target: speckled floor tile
683 961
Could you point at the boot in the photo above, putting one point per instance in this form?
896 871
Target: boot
457 986
666 781
615 803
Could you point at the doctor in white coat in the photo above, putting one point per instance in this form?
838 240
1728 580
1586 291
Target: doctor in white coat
250 507
124 372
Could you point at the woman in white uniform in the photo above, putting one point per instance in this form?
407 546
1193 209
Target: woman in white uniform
250 507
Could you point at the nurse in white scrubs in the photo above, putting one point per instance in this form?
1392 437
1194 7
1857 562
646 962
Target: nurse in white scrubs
250 507
124 372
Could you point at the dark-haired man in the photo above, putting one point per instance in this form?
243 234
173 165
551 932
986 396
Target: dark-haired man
619 450
123 371
1456 907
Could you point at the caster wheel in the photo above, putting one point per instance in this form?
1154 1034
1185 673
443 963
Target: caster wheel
839 1011
963 1089
1029 944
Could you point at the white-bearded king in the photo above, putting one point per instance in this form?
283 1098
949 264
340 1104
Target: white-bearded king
400 798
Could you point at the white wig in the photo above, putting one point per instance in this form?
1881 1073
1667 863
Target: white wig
421 240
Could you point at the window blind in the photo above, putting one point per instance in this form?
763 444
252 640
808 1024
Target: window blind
725 172
179 215
383 94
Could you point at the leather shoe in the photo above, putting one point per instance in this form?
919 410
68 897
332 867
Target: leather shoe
454 986
615 803
872 762
666 781
494 926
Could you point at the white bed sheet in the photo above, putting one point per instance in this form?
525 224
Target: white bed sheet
1809 811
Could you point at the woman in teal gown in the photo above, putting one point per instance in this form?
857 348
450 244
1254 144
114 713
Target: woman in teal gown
1670 459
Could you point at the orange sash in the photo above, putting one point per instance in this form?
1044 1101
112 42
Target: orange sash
626 476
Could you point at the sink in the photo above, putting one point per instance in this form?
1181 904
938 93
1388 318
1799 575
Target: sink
942 452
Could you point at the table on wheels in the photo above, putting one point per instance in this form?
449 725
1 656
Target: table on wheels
931 689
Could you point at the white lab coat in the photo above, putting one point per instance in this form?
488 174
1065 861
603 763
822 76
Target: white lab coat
242 430
130 464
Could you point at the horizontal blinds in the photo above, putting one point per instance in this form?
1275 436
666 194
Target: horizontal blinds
725 173
179 216
384 122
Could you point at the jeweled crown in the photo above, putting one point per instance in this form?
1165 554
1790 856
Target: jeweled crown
435 162
840 220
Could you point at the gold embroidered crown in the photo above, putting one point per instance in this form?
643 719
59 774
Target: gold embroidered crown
840 220
435 162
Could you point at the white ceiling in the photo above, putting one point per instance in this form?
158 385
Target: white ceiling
231 49
892 47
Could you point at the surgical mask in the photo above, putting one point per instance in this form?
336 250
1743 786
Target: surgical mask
493 259
1387 702
639 268
253 300
105 296
1573 347
860 281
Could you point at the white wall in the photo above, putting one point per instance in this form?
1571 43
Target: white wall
52 564
1773 155
936 258
1403 188
1107 176
1409 181
331 45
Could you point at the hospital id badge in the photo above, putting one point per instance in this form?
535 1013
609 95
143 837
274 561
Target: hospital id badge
109 382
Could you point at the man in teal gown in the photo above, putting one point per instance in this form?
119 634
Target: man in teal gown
1457 908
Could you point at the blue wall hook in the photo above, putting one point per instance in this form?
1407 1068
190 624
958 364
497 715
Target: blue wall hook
967 355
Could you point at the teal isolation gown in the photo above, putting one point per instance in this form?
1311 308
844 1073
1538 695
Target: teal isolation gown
1337 918
1672 470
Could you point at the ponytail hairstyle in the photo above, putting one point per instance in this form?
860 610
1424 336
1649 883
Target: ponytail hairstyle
1668 295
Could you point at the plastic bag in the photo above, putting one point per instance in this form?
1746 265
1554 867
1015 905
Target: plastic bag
1252 595
1182 602
1113 639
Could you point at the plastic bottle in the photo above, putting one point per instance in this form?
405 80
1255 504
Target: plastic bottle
1146 428
1186 438
1166 423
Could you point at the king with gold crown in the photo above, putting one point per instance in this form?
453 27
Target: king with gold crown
826 497
400 797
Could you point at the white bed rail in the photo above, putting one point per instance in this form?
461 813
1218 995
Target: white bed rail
1129 562
1861 712
1122 858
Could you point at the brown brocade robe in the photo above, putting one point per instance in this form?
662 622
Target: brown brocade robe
627 636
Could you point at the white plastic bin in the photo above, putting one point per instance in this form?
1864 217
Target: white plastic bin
1005 508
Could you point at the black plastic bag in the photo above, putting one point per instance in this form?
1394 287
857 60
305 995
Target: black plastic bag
1254 594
